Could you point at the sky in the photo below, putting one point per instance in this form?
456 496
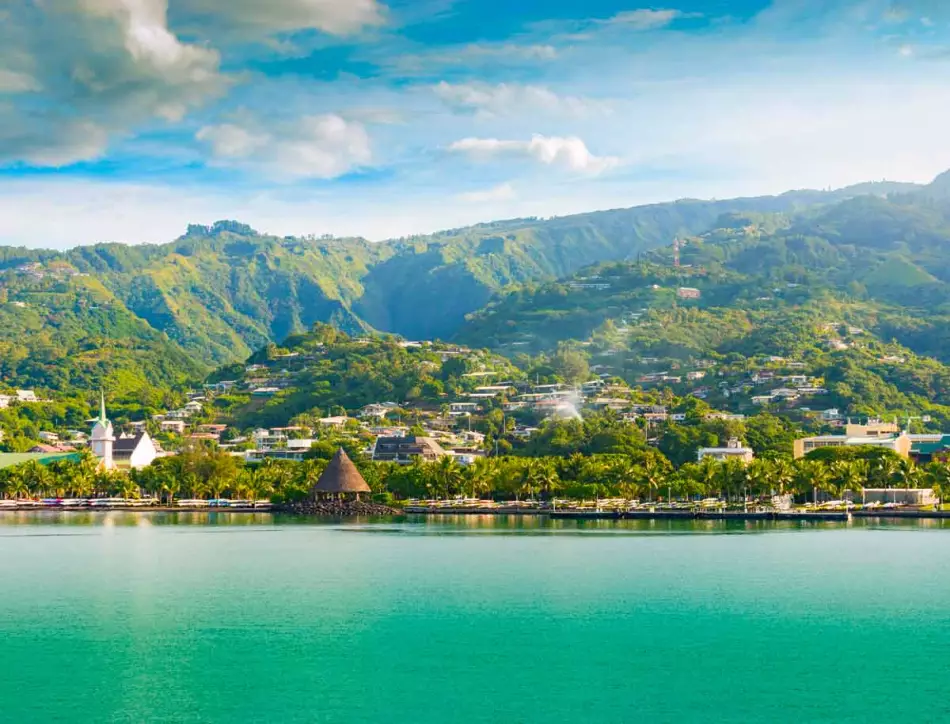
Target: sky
125 120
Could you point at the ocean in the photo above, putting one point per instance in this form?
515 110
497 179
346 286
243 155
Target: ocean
159 617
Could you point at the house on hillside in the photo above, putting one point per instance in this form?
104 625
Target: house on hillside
175 426
461 409
734 450
378 410
403 450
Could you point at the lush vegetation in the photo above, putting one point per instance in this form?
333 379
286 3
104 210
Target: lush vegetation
326 372
643 475
855 295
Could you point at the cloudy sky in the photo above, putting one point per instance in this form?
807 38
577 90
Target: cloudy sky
124 120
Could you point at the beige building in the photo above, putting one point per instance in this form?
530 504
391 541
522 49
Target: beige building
875 433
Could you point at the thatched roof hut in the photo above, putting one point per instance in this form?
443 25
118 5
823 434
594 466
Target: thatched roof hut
340 478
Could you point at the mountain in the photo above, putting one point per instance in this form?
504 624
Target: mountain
158 314
856 294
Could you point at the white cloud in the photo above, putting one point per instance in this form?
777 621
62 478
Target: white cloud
471 56
101 65
502 192
12 81
570 152
644 19
325 146
512 99
257 17
50 142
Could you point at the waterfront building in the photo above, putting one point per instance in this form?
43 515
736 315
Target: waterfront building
900 496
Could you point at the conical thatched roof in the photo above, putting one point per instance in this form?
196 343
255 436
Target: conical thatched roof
340 476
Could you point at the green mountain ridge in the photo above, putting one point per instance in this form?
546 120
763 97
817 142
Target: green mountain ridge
220 292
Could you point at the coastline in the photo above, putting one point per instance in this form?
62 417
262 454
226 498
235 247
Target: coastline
684 515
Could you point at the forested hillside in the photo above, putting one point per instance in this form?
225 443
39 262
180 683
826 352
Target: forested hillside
143 319
854 296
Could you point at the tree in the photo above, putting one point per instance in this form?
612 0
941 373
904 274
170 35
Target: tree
571 365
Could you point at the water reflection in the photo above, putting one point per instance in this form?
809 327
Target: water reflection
132 518
445 525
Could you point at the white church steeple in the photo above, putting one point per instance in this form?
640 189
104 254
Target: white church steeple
102 436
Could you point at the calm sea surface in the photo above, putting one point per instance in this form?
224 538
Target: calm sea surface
119 617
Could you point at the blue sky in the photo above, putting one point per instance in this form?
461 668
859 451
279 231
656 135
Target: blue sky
124 120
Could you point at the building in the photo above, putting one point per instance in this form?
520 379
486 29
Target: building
134 452
335 421
102 439
340 479
26 396
8 460
928 448
403 450
175 426
900 496
688 293
378 410
875 433
461 409
734 450
51 449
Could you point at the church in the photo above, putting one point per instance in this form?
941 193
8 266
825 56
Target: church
127 452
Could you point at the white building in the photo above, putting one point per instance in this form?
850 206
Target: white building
102 438
734 450
134 452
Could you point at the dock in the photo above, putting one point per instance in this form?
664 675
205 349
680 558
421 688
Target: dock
737 515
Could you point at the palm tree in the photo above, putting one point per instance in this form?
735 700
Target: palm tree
707 476
16 485
783 473
652 476
37 478
547 478
760 476
884 470
625 475
939 477
849 476
480 475
170 486
811 476
448 475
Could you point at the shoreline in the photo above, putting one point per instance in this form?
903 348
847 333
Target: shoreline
582 515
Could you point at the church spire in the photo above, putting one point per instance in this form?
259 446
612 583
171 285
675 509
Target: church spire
102 407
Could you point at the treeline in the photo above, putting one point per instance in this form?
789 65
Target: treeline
643 475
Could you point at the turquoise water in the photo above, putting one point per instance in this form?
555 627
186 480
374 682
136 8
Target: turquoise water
195 618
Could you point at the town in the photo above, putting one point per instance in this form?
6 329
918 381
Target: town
473 414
